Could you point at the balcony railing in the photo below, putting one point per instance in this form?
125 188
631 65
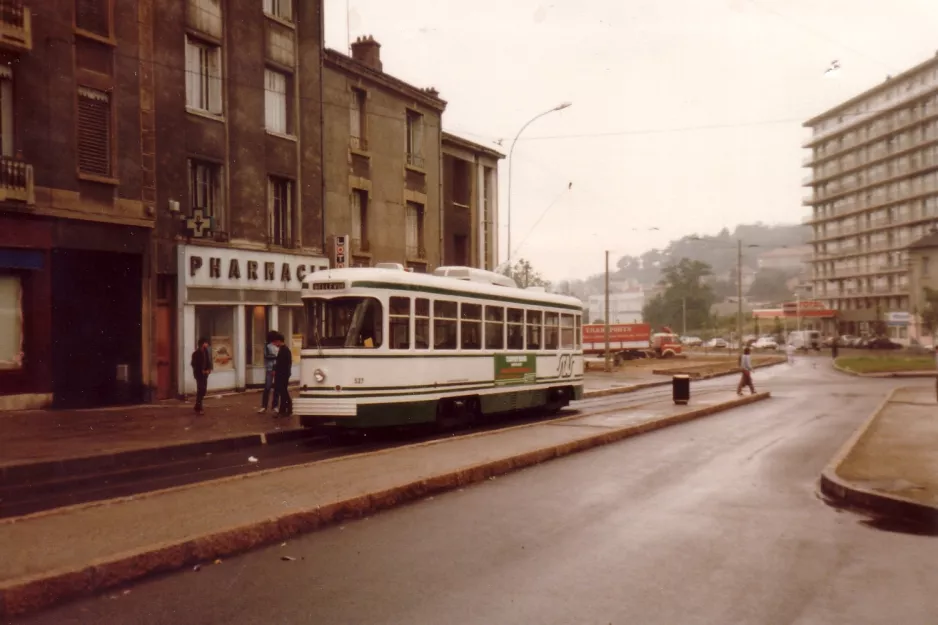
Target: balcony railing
415 160
16 181
358 143
16 31
418 252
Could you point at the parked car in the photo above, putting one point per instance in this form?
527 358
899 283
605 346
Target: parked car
765 343
882 342
692 341
848 340
717 343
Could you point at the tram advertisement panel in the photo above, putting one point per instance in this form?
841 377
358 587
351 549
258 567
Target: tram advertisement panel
515 369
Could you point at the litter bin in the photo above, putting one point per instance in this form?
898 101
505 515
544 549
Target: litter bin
680 389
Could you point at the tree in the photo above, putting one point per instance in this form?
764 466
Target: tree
770 285
685 294
524 275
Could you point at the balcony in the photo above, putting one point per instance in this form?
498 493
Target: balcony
16 30
16 181
416 252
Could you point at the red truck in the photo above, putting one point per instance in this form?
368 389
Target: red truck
629 341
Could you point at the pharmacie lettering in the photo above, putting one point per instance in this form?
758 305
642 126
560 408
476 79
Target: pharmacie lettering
214 267
269 269
252 270
285 272
238 269
234 270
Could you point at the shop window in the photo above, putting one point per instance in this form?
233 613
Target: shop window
11 322
216 323
551 333
534 328
444 325
291 322
515 328
399 319
422 323
257 324
494 327
470 323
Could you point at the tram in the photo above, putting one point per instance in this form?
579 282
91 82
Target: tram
386 347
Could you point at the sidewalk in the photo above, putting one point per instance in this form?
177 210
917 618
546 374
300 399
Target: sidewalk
890 465
114 542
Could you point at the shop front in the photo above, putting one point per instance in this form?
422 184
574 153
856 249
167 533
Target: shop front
234 298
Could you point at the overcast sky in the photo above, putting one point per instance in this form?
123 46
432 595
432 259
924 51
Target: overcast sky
686 114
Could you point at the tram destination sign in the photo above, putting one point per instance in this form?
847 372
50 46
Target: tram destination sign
328 286
515 369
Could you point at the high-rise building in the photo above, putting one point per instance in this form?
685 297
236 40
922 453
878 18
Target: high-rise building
874 181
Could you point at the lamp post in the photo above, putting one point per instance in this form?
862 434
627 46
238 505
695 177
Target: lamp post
511 151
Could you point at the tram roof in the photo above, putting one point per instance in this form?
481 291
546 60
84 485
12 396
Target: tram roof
380 278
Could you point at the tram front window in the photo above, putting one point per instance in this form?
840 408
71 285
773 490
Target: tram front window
343 322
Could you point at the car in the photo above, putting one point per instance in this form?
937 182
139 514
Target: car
765 343
882 342
717 343
692 341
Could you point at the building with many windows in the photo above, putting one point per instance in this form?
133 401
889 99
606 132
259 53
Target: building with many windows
77 201
381 139
874 181
239 181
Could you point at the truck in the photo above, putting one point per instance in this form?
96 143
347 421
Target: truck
630 341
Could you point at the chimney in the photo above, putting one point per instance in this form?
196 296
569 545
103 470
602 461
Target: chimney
367 51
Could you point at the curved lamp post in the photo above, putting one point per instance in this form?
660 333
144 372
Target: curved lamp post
511 151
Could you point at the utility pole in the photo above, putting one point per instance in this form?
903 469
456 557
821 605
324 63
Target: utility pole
739 293
683 316
608 366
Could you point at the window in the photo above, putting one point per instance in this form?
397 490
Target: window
552 321
11 323
515 328
567 332
534 329
279 8
444 325
216 323
94 132
471 326
6 111
256 326
414 139
357 120
205 190
203 76
291 322
359 209
399 316
422 323
93 16
413 234
276 109
494 327
350 322
280 208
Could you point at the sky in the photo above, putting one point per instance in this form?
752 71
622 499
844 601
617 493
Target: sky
686 115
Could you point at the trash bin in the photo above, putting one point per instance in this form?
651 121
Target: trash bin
680 389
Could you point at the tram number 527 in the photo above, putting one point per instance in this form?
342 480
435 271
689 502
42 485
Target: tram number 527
565 366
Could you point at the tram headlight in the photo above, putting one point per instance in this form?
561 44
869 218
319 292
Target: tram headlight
319 375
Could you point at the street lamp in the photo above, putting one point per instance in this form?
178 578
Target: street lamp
511 151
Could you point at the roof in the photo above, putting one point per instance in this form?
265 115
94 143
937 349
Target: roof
449 137
928 241
372 277
886 84
347 63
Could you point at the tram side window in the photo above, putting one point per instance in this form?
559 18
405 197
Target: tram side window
567 332
344 322
399 322
515 328
494 327
421 323
445 322
579 332
470 322
551 330
535 329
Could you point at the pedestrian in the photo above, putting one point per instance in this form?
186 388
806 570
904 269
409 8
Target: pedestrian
201 368
270 360
282 369
746 377
790 351
835 349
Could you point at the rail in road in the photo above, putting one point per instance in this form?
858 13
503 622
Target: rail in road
21 499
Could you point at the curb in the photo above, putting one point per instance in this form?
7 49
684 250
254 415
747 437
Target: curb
690 370
888 374
844 491
29 594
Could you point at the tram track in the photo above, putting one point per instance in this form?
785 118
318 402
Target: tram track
37 496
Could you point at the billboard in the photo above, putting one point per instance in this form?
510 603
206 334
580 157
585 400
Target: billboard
618 333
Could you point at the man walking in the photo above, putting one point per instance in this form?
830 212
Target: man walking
282 369
746 378
201 368
270 360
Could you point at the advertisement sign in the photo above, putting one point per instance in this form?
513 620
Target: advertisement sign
898 319
618 333
295 346
515 369
341 251
222 353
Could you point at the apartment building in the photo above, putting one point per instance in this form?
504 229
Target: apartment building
470 203
874 181
76 201
382 140
239 182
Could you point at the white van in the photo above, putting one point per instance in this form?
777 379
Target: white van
805 339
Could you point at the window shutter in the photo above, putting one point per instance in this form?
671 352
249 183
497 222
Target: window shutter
94 132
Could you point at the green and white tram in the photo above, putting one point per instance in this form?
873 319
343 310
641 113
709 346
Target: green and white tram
386 347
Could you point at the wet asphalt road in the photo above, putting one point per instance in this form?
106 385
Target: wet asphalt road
712 522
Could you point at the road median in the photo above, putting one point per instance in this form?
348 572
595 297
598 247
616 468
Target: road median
119 541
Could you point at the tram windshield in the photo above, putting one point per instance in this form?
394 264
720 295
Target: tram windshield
343 322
